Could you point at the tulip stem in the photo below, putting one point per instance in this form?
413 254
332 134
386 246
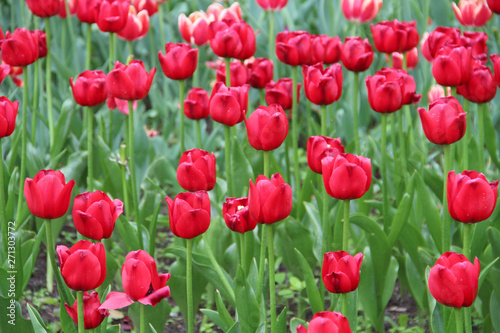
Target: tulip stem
466 138
135 199
407 111
110 68
3 215
51 258
467 319
272 286
162 25
229 167
295 142
459 320
345 230
34 101
48 84
309 116
123 161
228 71
271 34
242 251
480 139
468 231
325 223
189 285
323 120
355 111
266 164
385 188
90 157
181 96
142 318
402 148
198 131
446 217
89 46
22 170
262 93
81 321
262 263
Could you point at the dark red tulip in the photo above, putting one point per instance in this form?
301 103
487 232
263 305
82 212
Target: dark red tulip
83 267
356 54
141 282
471 198
196 170
44 8
361 11
476 40
411 59
495 59
267 127
194 29
112 15
94 214
239 73
472 13
319 147
48 195
293 48
42 43
228 105
189 214
409 96
445 123
395 36
273 5
137 25
236 40
452 66
179 62
8 114
151 6
385 92
453 281
327 322
130 82
481 87
494 6
280 92
85 10
260 72
325 49
89 88
323 86
346 176
196 105
20 48
237 216
340 271
269 201
92 315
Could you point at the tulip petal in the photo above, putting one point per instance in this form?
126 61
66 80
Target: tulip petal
156 296
116 300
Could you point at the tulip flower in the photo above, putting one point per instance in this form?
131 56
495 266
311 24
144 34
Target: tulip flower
409 96
322 86
179 62
189 214
42 43
495 59
325 49
445 123
48 195
269 200
89 88
94 214
326 321
319 147
340 271
453 281
386 91
194 29
471 198
85 10
92 315
452 66
137 25
232 41
494 6
130 82
293 48
472 13
112 15
8 114
280 92
476 40
228 105
83 267
481 87
71 6
4 71
361 11
196 105
196 170
217 12
267 127
45 8
436 92
395 36
356 54
411 59
20 48
272 5
424 46
122 105
239 73
442 36
151 6
237 216
260 72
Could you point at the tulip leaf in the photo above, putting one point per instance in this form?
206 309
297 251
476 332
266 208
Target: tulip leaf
246 303
113 329
235 328
311 286
215 317
152 328
37 321
242 169
411 240
67 324
281 322
490 137
494 237
484 272
62 128
400 219
495 309
430 211
296 322
30 262
152 229
315 228
222 310
13 320
415 282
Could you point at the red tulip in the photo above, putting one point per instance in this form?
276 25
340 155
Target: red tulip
346 176
71 7
424 46
239 73
409 96
445 123
4 71
495 59
15 72
228 105
112 15
194 29
395 36
260 72
130 82
326 322
472 13
189 214
322 86
121 104
42 43
94 214
319 147
436 92
92 315
476 40
442 36
471 198
452 66
141 282
179 62
196 105
237 216
494 6
273 5
43 8
83 267
325 49
267 127
293 48
137 25
280 92
8 114
196 170
361 11
217 12
411 59
385 92
481 87
85 10
453 281
235 40
151 6
48 195
269 201
20 48
89 88
340 271
356 54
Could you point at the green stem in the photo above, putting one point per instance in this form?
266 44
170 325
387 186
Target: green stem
467 135
385 188
229 167
198 131
228 71
480 139
189 285
468 231
242 249
130 52
309 117
133 181
142 318
123 161
408 116
89 46
81 320
162 25
391 61
262 263
345 300
446 214
52 260
90 148
22 170
393 136
266 164
467 320
262 95
3 216
295 141
34 101
323 120
402 147
181 96
110 68
271 35
355 112
325 224
48 84
459 320
345 230
272 286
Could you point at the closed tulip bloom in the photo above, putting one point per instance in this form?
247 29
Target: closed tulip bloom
196 170
409 96
494 6
83 267
48 195
217 12
130 82
239 73
92 315
267 127
395 36
356 54
340 271
196 105
280 92
442 36
94 214
424 46
476 40
495 59
293 48
361 11
273 5
137 25
112 15
319 147
151 6
326 322
179 62
189 214
260 72
346 176
194 29
323 86
445 123
89 88
269 200
481 87
85 10
237 216
8 114
472 13
471 198
453 281
325 49
385 93
42 43
235 40
44 8
20 48
411 59
452 66
228 105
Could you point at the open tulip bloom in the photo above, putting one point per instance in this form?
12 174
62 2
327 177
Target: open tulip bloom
326 322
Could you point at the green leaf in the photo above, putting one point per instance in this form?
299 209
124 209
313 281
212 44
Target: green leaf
281 322
242 169
222 310
430 211
490 137
400 219
311 287
484 272
30 262
296 322
495 309
215 317
37 321
246 303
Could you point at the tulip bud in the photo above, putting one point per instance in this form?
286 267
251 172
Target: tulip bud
189 214
340 271
361 11
8 114
151 6
196 170
72 4
44 8
325 49
85 10
272 5
395 36
442 36
481 87
137 25
267 127
20 48
411 59
89 88
217 12
42 43
472 13
237 216
228 105
452 66
436 92
239 73
495 59
196 105
280 92
326 321
112 15
386 91
92 315
130 82
235 40
260 72
476 40
356 54
179 62
409 96
319 147
269 201
293 48
323 86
